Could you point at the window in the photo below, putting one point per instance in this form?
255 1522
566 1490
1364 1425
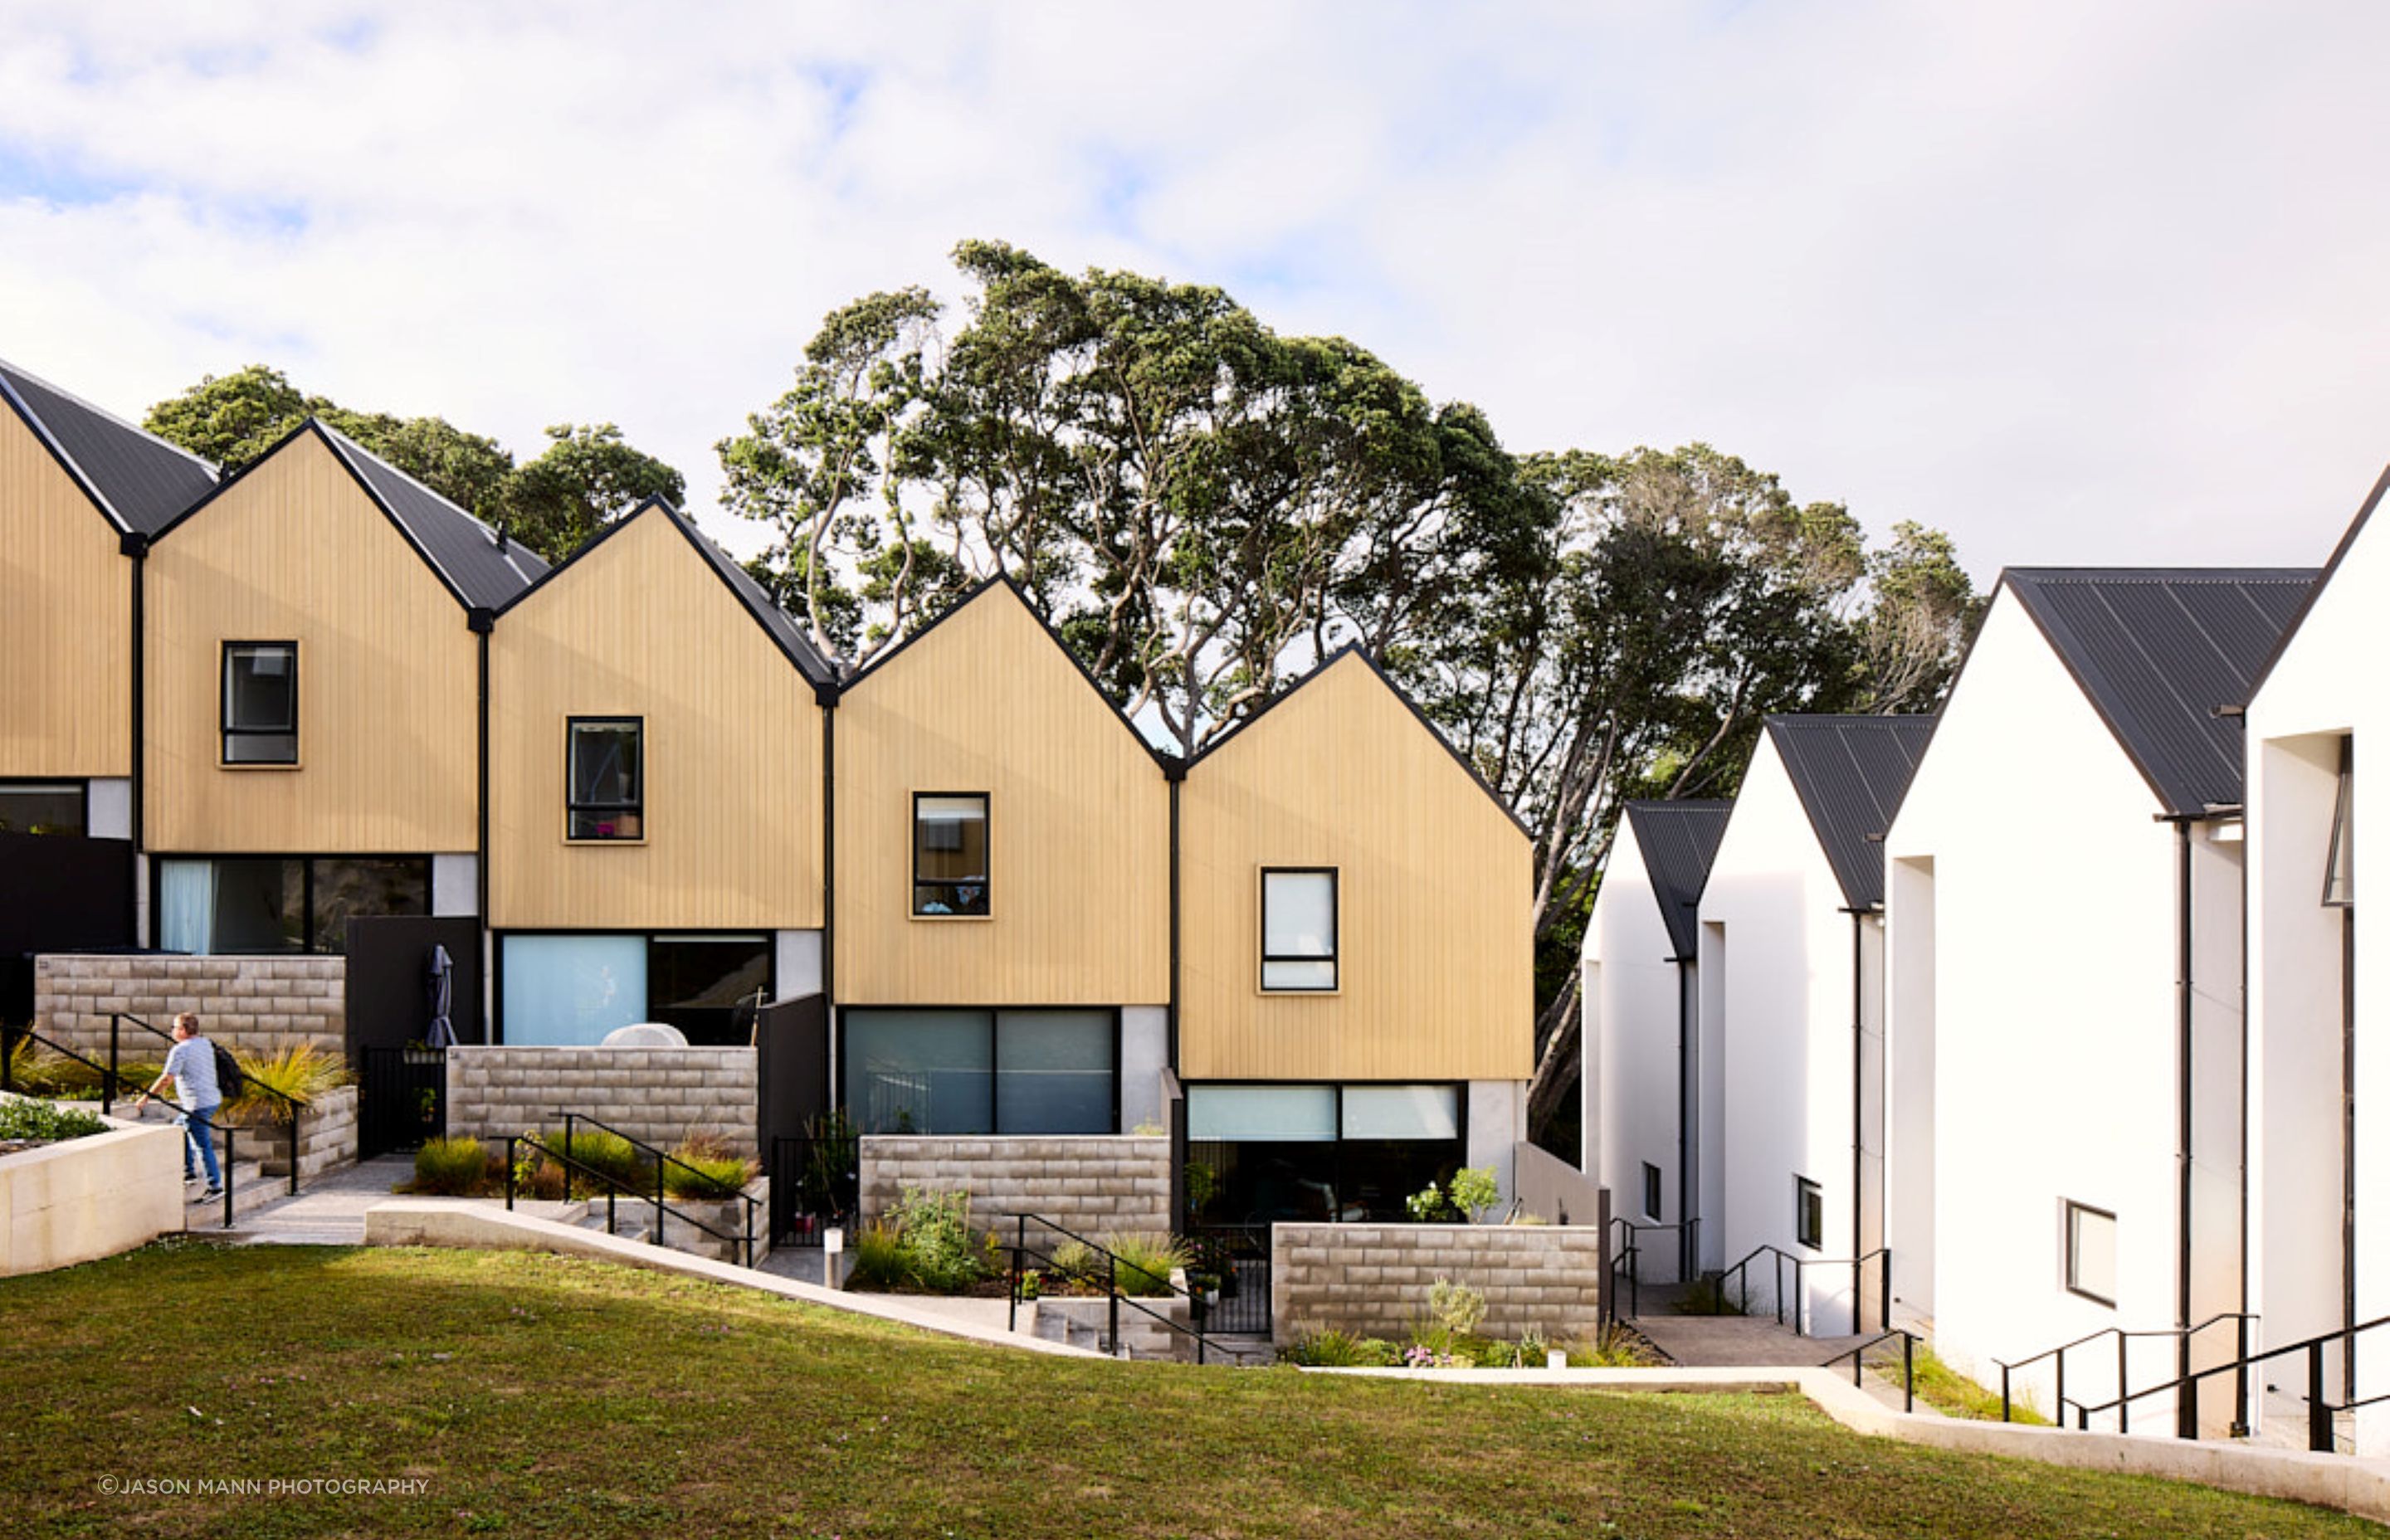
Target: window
2091 1253
1808 1213
604 785
38 807
982 1071
949 853
2340 861
281 902
260 703
1299 929
1651 1192
573 989
1322 1152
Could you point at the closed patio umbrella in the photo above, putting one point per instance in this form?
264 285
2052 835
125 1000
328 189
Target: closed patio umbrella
440 1033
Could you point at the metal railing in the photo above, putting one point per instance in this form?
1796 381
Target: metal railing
1022 1252
1857 1355
291 1104
1879 1259
1626 1260
110 1078
741 1241
2185 1422
816 1182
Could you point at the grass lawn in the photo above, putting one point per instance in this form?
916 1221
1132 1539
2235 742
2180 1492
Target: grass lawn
536 1396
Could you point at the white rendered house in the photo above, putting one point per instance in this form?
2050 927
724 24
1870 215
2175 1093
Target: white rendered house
2064 927
1651 1084
1791 969
2321 715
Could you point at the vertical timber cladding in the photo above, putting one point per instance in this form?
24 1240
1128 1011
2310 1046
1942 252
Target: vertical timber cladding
66 632
1078 824
1435 968
295 550
641 625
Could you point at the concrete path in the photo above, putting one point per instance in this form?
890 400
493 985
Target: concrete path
330 1209
1738 1341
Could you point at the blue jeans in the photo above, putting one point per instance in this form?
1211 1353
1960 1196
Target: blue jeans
200 1137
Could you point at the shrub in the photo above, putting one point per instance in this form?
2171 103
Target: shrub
451 1168
1456 1307
933 1232
1075 1262
1146 1262
878 1257
1341 1350
1475 1192
303 1072
609 1154
36 1120
707 1172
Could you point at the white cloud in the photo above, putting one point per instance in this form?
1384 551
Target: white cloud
2077 283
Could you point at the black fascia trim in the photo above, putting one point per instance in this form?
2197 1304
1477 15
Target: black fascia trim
1162 758
1355 650
1335 958
2330 566
83 483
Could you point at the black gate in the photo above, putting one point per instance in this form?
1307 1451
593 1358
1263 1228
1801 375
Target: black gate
1235 1259
816 1182
404 1100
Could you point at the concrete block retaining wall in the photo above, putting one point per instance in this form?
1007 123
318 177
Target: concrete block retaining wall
659 1095
1094 1183
327 1137
260 1005
1372 1280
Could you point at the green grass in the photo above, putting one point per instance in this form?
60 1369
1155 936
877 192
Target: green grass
542 1397
1953 1395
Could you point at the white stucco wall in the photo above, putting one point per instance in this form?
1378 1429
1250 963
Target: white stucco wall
2327 683
2047 987
1784 989
1631 1036
1908 1175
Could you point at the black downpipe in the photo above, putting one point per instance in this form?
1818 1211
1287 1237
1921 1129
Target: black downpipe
1175 770
2348 1149
1858 1108
138 547
2187 1412
482 621
829 896
1688 1114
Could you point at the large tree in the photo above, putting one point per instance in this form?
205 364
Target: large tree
551 505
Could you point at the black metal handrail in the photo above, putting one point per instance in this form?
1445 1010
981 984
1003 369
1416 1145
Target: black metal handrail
291 1104
662 1161
1741 1272
110 1076
1627 1261
1113 1264
615 1184
2321 1411
2124 1340
1857 1355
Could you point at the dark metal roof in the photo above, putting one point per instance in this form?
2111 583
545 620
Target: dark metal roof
1851 773
1678 841
482 571
139 482
2158 650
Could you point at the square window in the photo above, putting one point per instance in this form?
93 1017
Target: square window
605 777
950 853
260 703
1808 1213
1651 1192
1299 929
2091 1253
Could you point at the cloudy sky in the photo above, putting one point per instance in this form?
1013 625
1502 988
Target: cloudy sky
2080 282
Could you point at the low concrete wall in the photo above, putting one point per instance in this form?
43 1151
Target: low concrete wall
660 1096
1372 1280
260 1005
85 1199
1092 1184
1551 1189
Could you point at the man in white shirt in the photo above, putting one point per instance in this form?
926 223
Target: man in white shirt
191 1065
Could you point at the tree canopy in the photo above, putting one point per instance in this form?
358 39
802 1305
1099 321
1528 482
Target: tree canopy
585 476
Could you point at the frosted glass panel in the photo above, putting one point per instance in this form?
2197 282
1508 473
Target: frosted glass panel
1054 1071
1298 915
567 990
920 1071
1276 1113
1402 1112
1298 975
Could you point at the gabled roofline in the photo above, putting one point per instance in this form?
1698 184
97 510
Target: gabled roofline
338 446
2339 551
807 668
1772 720
1169 764
1664 807
75 472
1355 650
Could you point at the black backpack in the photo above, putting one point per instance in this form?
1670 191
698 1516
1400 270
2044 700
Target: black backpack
229 1080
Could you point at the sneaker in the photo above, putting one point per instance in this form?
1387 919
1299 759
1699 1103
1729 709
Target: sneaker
212 1192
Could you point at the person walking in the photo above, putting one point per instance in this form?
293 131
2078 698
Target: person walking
191 1065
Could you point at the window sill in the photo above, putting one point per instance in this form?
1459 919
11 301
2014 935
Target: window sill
948 920
572 843
1300 994
258 764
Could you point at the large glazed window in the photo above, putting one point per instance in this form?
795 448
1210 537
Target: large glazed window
1319 1151
983 1071
950 874
1054 1071
1299 929
260 703
282 904
604 778
571 990
700 984
2092 1253
42 807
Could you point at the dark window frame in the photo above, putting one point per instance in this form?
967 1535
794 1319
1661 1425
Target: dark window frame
1654 1184
2069 1256
2343 828
308 861
1333 956
497 1023
637 806
1808 1203
80 788
995 1015
225 731
987 838
1337 1165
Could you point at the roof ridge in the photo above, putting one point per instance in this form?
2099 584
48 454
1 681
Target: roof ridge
99 410
495 532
